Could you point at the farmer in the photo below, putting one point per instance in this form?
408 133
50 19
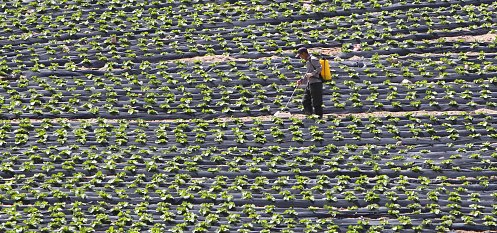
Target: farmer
313 96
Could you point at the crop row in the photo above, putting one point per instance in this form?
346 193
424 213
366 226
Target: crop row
206 175
189 203
136 45
411 145
113 59
253 87
88 18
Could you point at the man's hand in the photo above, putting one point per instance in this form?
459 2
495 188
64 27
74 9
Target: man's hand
308 75
299 82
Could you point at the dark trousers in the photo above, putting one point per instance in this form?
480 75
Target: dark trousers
313 99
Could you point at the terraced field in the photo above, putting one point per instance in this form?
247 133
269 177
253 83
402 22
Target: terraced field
157 116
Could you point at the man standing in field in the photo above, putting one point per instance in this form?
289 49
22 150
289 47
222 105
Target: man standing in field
313 96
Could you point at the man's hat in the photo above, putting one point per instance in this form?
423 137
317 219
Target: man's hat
301 50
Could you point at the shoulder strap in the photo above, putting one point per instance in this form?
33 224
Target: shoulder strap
310 61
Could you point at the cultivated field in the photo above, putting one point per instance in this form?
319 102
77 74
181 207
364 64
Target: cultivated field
157 116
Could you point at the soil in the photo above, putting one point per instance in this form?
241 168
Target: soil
219 58
326 51
373 114
302 116
461 231
307 5
212 58
224 58
486 38
430 55
356 58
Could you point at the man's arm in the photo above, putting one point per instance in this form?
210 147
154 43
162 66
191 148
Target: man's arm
317 67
